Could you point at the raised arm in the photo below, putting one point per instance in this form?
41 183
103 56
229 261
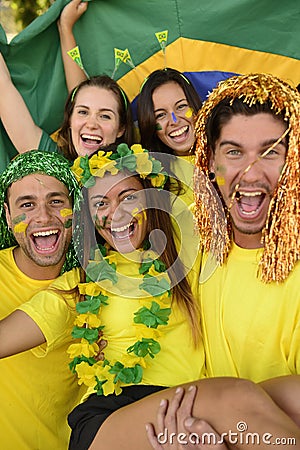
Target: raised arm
69 16
18 332
15 116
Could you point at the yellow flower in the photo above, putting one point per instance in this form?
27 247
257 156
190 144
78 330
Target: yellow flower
154 272
137 148
90 319
131 361
66 212
83 348
164 300
100 163
21 227
111 259
92 289
86 374
159 180
76 169
143 164
146 332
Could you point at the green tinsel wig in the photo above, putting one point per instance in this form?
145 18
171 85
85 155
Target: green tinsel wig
48 163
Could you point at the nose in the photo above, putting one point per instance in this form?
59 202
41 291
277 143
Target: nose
91 121
253 172
172 118
43 214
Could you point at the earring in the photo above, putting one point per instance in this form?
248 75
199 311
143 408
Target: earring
212 176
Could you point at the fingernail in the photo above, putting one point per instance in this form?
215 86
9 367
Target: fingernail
192 388
189 421
162 402
178 390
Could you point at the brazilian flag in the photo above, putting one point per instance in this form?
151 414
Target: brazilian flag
208 40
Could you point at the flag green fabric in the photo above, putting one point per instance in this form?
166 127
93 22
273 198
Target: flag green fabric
205 39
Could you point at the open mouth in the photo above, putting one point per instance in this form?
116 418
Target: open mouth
249 203
180 134
125 232
45 241
92 140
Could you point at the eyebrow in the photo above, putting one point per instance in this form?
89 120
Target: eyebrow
23 198
100 109
266 143
100 196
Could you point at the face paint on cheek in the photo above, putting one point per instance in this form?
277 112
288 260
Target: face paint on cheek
158 127
65 212
220 171
98 224
189 112
19 226
220 180
18 219
139 214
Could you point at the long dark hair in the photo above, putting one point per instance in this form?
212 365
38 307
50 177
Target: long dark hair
124 109
145 107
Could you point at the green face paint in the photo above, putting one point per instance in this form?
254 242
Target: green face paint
68 223
158 127
18 219
221 169
104 219
98 225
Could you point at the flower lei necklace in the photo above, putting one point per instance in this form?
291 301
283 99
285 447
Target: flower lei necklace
107 376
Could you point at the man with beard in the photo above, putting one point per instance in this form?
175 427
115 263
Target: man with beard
37 390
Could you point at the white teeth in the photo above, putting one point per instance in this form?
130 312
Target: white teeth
91 137
116 230
179 132
250 194
45 233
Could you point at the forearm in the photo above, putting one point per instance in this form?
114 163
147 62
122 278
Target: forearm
73 73
69 16
15 116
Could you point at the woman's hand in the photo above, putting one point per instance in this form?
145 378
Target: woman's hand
70 14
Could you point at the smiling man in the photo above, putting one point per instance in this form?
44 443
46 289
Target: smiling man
37 390
248 140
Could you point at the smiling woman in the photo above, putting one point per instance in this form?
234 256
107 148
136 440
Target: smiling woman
136 289
97 113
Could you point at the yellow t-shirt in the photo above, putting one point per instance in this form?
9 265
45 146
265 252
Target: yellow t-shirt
36 393
251 329
178 360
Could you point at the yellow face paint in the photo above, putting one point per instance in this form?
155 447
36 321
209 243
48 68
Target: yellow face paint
189 113
20 227
220 180
66 212
139 215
